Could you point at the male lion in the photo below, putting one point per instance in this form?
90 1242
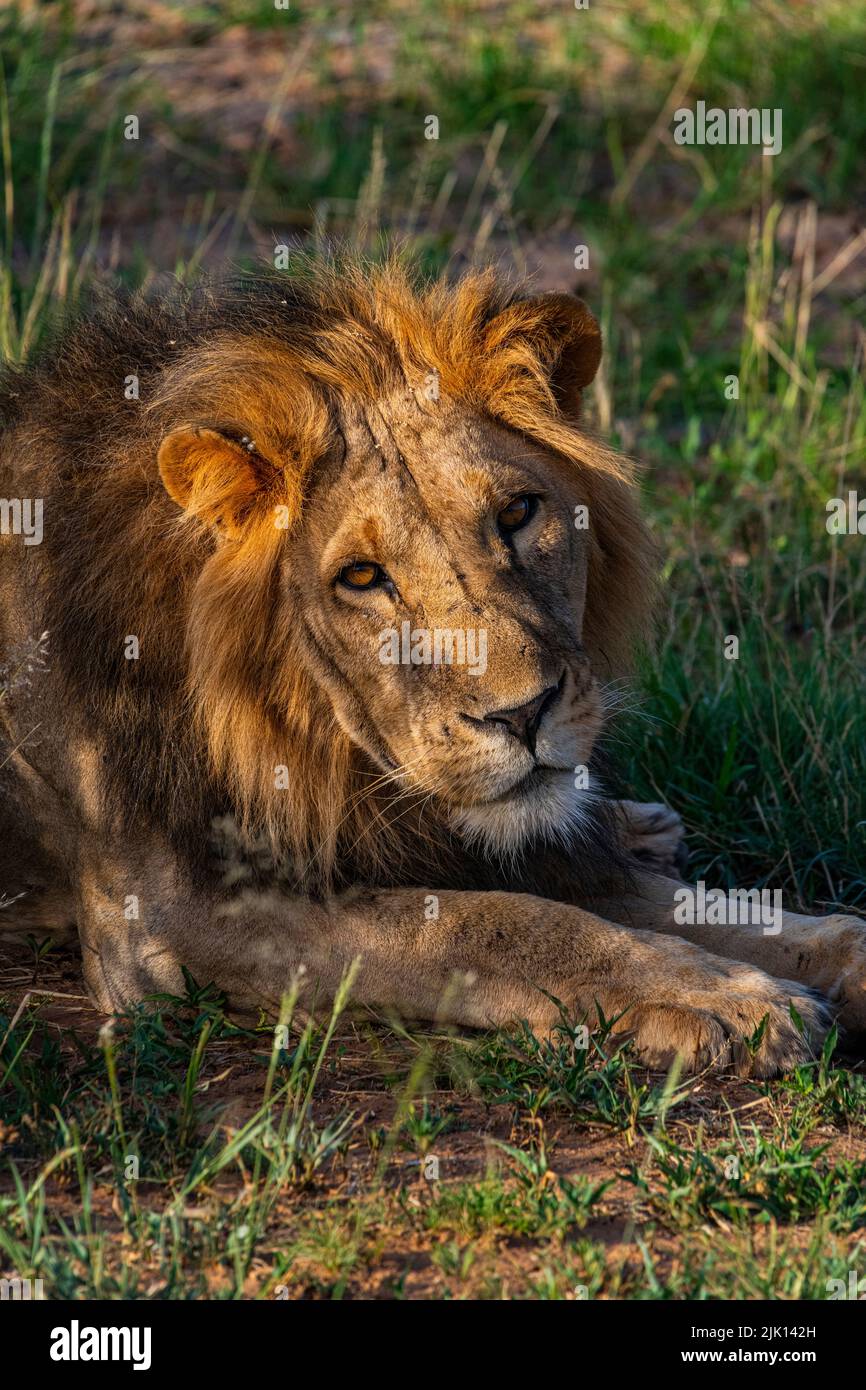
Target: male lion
260 507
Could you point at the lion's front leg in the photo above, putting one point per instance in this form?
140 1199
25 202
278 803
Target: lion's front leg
825 953
486 959
476 959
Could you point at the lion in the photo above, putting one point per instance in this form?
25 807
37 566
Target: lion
280 517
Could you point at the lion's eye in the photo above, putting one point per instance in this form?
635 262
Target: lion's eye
361 575
516 513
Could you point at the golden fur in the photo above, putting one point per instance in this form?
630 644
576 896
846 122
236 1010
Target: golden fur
285 430
367 331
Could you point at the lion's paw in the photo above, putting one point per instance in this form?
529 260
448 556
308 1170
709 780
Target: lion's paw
724 1029
653 834
839 968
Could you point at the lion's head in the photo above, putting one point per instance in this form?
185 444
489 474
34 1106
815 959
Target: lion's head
424 573
361 534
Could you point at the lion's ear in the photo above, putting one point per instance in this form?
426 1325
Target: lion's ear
563 336
213 477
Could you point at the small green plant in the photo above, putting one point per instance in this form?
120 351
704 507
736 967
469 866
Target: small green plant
590 1074
754 1178
422 1126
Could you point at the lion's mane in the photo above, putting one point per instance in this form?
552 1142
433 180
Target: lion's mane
194 729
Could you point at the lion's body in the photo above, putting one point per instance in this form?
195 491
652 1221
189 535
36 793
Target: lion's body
214 765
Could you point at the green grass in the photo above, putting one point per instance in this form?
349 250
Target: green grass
822 1095
125 1178
593 1079
132 1120
565 1171
754 1179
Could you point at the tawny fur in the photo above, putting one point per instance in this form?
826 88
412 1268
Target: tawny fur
269 360
281 430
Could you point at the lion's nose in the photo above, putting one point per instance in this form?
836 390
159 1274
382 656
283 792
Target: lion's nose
523 720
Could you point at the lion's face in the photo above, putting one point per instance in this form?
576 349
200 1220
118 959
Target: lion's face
440 583
431 586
